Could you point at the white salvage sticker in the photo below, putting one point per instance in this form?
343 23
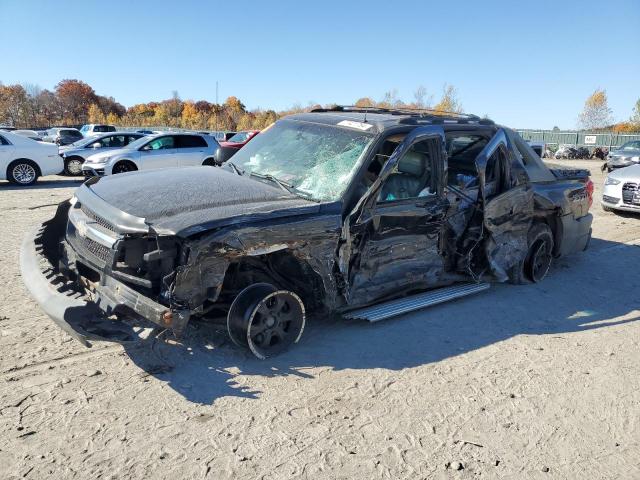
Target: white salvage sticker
358 125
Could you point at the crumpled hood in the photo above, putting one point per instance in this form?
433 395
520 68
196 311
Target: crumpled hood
184 201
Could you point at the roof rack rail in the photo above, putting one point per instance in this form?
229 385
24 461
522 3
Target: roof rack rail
416 112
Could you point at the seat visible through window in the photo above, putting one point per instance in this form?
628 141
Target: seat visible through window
413 178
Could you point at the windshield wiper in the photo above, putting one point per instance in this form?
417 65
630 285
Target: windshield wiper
235 168
287 187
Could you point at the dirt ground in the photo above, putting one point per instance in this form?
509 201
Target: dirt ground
539 381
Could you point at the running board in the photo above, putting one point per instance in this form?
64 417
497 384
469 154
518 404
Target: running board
392 308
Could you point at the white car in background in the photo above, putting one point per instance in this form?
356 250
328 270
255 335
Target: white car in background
23 160
32 134
163 150
622 190
92 129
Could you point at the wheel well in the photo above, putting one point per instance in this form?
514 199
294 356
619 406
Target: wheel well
119 162
281 268
26 160
73 157
209 161
552 221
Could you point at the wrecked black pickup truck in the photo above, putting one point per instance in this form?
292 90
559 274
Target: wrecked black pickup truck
367 213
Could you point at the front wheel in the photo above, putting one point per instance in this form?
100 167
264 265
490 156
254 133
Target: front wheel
73 166
22 172
265 320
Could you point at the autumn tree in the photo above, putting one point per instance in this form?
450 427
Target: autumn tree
449 101
422 100
192 117
109 105
596 113
390 99
13 105
75 97
364 102
95 114
235 109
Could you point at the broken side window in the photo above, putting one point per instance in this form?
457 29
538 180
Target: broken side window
413 178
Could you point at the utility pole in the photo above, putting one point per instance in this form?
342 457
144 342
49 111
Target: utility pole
216 104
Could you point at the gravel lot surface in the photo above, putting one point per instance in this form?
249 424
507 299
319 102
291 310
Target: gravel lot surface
539 381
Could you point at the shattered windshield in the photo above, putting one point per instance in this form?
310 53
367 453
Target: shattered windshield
318 161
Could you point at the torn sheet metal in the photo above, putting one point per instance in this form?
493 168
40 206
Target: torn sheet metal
508 218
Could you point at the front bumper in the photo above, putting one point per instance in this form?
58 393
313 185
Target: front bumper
616 198
93 170
86 316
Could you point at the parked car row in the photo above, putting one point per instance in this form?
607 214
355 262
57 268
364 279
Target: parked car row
98 153
161 150
76 154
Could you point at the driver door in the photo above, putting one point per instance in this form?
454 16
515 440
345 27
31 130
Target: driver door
394 233
159 153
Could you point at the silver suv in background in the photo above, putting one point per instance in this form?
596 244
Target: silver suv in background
62 136
75 154
163 150
625 156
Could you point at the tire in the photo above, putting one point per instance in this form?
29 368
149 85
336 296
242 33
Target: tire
73 166
540 253
607 209
265 320
23 172
124 166
522 272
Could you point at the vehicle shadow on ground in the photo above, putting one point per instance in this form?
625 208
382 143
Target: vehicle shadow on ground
68 182
577 296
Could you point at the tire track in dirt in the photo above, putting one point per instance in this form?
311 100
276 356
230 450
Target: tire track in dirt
63 360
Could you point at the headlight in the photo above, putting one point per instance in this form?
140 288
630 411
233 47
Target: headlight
98 160
611 181
635 159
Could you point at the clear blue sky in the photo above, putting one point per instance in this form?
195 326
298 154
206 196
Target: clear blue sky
525 64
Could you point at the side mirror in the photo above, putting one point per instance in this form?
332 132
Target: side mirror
146 148
95 145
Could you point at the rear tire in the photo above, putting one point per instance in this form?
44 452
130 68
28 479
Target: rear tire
124 166
23 172
540 253
73 166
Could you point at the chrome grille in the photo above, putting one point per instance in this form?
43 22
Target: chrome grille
631 194
98 219
96 249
